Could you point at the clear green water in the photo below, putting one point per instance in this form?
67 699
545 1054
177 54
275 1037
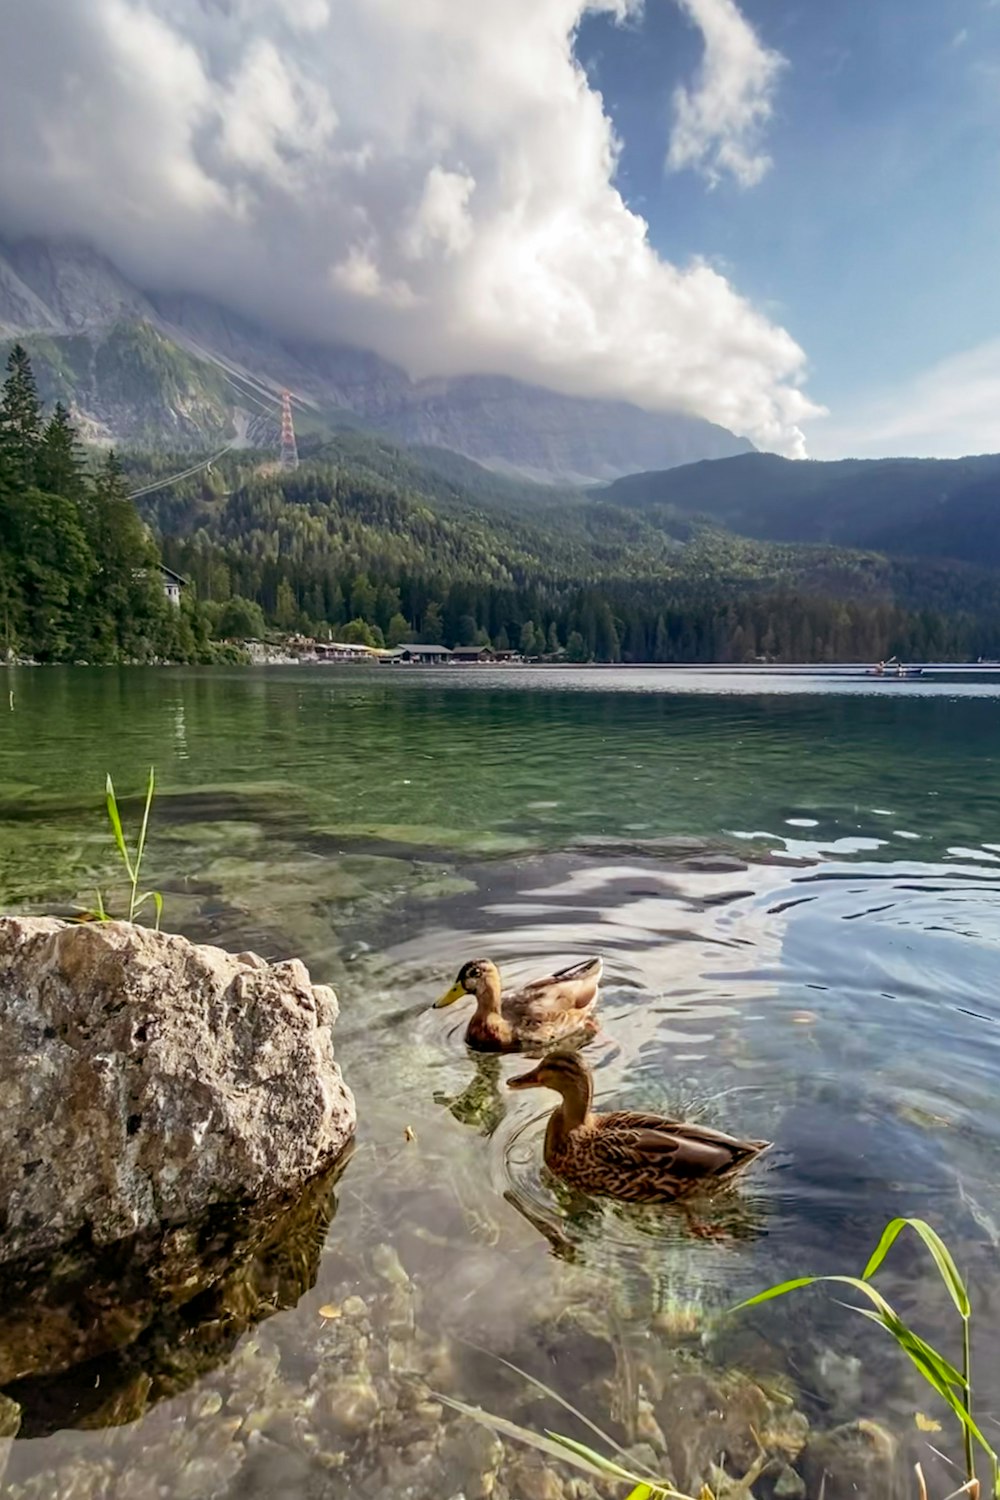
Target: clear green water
795 884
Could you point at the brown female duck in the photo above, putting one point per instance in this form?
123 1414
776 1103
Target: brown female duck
536 1015
638 1158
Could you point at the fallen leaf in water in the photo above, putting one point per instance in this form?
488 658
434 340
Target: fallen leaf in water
329 1310
926 1424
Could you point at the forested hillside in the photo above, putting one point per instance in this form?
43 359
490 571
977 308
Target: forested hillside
373 543
930 507
382 545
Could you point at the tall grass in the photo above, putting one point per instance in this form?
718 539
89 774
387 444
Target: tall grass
954 1386
131 861
577 1455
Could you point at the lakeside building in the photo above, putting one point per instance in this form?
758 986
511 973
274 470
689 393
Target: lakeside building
172 584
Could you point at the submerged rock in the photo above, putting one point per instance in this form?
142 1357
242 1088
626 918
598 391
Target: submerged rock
145 1080
101 1337
858 1461
10 1421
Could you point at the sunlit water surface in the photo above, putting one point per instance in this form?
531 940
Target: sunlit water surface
794 884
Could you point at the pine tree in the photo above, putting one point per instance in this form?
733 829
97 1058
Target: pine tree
432 632
59 464
20 418
128 612
286 610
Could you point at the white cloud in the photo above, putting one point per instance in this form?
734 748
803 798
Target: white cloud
718 124
443 218
430 180
271 115
947 411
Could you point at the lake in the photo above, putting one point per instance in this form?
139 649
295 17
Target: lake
795 885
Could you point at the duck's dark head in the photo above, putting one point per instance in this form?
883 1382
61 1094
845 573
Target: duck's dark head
472 977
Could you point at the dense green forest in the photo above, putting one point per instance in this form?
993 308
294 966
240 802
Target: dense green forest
378 544
79 569
373 543
918 507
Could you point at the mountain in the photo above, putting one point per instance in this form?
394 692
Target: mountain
909 507
174 370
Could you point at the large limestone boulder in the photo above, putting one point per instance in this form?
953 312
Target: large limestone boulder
144 1080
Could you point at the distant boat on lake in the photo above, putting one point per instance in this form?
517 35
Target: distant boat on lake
894 671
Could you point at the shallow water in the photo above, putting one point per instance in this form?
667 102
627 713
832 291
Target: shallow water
794 882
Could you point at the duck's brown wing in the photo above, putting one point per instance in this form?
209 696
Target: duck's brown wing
672 1151
570 989
636 1120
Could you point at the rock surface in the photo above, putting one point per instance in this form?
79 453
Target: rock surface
99 1336
144 1080
858 1461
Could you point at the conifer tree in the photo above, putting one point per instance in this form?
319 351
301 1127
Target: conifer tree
59 466
128 608
20 418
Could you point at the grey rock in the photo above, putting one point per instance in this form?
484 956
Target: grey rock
838 1377
858 1461
789 1485
144 1079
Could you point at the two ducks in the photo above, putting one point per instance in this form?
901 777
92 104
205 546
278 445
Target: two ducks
635 1157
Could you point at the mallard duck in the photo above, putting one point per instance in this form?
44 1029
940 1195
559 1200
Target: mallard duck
635 1157
544 1011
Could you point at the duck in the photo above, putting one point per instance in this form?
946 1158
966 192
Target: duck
537 1014
631 1156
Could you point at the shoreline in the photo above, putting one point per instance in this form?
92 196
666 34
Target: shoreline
771 669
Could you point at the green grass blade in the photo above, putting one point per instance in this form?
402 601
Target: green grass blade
116 823
547 1445
946 1372
954 1402
101 913
140 846
642 1492
777 1291
939 1374
554 1395
939 1250
605 1465
864 1287
157 901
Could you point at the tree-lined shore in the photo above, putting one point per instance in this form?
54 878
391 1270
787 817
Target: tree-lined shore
371 544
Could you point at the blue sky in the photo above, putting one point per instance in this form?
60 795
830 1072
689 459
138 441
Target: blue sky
874 237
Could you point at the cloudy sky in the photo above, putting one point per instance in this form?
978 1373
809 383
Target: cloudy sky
780 214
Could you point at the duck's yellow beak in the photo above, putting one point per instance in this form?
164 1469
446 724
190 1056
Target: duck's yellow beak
456 992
